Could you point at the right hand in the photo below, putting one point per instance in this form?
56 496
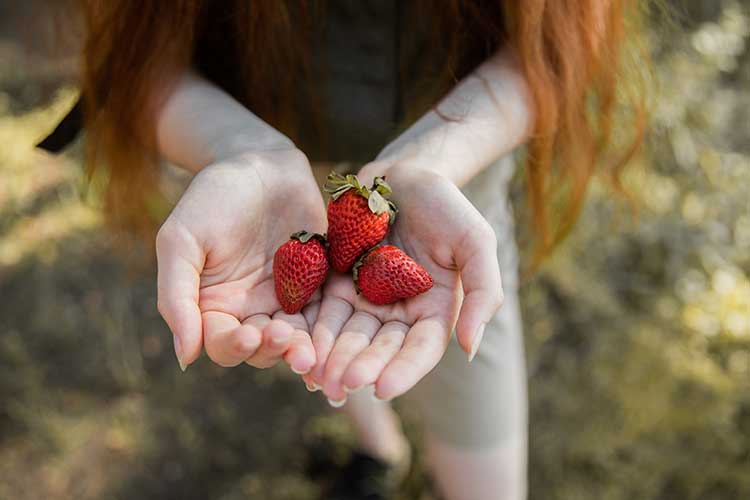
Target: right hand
215 255
393 346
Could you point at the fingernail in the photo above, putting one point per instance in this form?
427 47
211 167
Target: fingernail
477 340
378 398
352 390
337 404
178 352
371 391
313 387
300 372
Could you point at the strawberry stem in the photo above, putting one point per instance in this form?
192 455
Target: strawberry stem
304 237
377 196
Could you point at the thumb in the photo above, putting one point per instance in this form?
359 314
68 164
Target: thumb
476 258
180 262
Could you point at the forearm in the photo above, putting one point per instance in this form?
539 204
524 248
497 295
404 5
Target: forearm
200 124
488 114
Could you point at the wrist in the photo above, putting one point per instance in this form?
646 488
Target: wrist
397 174
240 142
394 168
374 169
285 166
420 154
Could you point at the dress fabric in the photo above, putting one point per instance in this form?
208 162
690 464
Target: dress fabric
483 404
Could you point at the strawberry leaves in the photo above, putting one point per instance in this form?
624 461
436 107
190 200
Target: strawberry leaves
376 196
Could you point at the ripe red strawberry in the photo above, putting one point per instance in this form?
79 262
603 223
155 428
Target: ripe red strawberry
358 218
386 275
299 267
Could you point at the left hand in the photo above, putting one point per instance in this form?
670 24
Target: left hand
393 346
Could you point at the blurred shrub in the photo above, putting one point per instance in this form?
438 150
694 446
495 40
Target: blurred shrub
640 341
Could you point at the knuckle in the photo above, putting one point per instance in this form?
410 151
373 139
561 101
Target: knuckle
244 345
392 343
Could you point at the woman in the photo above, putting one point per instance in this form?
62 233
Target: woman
258 99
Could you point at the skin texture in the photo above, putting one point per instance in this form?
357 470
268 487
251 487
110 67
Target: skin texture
215 255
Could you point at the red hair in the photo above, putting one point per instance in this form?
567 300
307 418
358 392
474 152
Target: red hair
571 52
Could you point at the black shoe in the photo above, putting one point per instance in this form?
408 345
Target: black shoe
365 477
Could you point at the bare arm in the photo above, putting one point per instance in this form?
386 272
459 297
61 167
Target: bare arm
200 124
488 114
215 250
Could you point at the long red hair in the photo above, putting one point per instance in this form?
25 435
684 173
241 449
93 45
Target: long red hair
571 52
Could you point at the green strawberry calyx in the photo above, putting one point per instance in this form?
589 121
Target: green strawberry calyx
358 263
376 196
304 237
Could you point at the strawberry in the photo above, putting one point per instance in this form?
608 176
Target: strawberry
299 267
358 218
386 275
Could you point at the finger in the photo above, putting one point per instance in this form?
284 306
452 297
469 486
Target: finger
334 313
296 321
476 259
425 344
355 336
369 364
301 354
310 312
180 262
229 343
259 321
277 335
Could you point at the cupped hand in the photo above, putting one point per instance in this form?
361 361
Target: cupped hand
393 346
215 254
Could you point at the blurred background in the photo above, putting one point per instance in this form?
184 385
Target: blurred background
638 337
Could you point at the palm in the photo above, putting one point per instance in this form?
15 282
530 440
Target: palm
227 226
393 346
